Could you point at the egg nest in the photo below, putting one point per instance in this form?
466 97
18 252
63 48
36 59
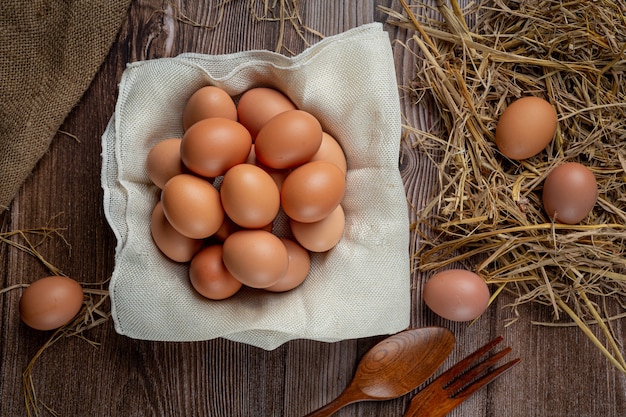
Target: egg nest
485 212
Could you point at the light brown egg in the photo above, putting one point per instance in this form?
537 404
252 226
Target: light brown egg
331 151
163 161
212 146
570 192
322 235
174 245
51 302
209 101
209 276
456 294
257 258
525 128
258 105
298 269
288 139
249 196
312 191
192 206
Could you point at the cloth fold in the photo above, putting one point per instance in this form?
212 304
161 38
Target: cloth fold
49 53
360 288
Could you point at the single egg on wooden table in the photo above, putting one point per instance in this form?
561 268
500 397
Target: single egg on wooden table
525 128
258 105
51 302
163 161
257 258
288 139
206 102
569 193
456 294
298 269
312 191
249 196
209 277
192 206
212 146
322 235
171 243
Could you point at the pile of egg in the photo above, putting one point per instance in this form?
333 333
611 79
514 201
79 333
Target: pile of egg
237 167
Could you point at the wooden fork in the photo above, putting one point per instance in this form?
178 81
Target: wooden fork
459 382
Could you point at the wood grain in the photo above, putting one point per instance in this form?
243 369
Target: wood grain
561 373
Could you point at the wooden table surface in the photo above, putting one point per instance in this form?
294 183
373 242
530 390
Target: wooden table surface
561 373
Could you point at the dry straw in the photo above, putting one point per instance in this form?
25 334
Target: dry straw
487 211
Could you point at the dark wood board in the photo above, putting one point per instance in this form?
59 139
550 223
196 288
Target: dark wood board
561 373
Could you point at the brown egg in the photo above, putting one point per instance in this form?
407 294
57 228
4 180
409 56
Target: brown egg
209 101
192 206
209 276
570 192
51 302
212 146
312 191
322 235
249 196
163 161
288 139
298 269
525 128
175 246
330 151
257 258
456 294
258 105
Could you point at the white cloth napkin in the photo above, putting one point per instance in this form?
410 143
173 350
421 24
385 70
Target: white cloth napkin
358 289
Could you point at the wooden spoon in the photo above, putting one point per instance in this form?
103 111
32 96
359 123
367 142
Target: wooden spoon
394 367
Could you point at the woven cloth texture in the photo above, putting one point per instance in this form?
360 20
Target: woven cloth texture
360 288
50 50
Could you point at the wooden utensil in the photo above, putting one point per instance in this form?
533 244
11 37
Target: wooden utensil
394 367
459 382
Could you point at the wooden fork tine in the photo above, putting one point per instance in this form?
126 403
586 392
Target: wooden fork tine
465 363
469 376
484 380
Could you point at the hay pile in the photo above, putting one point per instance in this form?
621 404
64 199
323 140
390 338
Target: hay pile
487 214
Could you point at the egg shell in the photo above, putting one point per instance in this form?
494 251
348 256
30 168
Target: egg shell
288 139
212 146
456 294
322 235
525 128
312 191
209 276
298 269
569 193
249 196
258 105
171 243
192 206
278 175
331 151
50 302
257 258
207 102
163 161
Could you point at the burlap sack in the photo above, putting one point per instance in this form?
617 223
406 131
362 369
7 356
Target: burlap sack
50 51
360 288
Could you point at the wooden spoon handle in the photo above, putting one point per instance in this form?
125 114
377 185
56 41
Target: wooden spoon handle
346 397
